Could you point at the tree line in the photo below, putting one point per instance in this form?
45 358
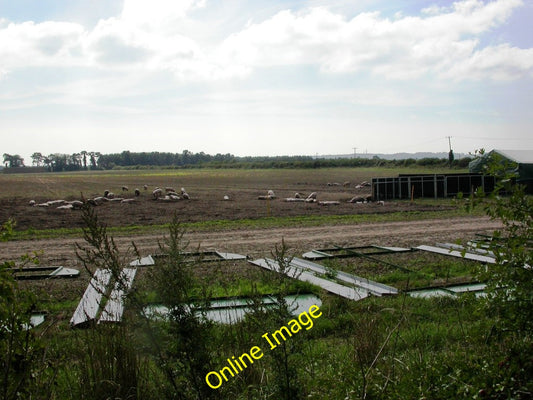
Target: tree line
56 162
93 160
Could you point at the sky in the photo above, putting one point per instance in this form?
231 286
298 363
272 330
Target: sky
265 77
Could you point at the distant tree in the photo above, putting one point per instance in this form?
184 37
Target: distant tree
47 161
58 162
84 158
75 161
185 157
7 160
94 156
37 159
12 161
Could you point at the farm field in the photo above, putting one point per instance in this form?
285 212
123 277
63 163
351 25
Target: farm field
243 222
206 188
243 225
431 335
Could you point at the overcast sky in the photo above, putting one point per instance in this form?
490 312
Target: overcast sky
265 77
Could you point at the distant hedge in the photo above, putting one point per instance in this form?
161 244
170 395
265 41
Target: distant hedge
307 163
92 160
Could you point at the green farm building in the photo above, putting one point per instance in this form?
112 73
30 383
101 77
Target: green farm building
522 160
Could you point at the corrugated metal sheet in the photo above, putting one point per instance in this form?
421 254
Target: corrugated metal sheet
230 256
62 272
375 288
90 302
114 307
32 273
347 252
452 291
305 276
205 256
455 253
143 262
427 293
470 248
472 287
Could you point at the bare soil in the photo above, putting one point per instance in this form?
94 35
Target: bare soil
203 205
260 242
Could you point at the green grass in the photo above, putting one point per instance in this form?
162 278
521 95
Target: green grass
246 288
385 348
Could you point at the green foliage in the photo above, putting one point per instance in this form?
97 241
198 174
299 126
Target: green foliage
509 301
331 273
510 281
100 251
284 356
181 344
108 364
13 161
7 230
128 160
84 160
20 372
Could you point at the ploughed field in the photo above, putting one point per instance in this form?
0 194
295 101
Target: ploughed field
206 188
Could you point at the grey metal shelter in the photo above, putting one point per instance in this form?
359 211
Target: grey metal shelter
406 186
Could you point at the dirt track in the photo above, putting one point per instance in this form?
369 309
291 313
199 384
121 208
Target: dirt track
260 242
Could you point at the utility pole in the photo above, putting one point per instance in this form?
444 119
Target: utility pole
450 154
450 142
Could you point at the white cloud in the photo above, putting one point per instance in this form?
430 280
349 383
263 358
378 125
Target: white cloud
153 36
404 48
45 44
157 14
501 63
